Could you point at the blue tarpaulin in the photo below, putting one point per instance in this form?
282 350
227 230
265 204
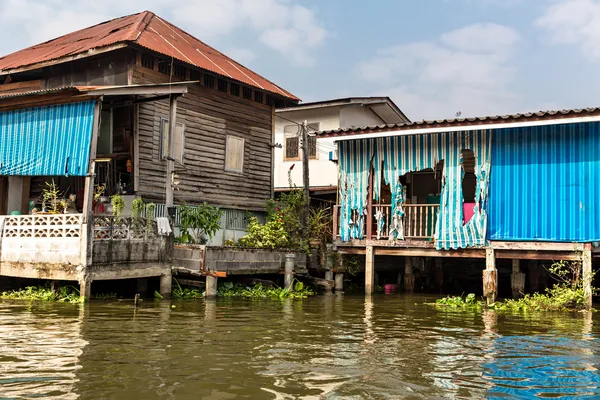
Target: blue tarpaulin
47 141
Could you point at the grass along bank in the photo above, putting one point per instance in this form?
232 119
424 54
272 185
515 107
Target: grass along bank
230 289
65 294
567 294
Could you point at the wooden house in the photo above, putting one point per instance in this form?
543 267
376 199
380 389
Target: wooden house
517 187
141 108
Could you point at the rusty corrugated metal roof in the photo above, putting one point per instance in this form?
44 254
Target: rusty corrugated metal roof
457 122
146 30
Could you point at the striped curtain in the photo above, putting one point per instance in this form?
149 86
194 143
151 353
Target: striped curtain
393 157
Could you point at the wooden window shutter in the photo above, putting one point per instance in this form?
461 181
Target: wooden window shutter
179 143
292 142
234 158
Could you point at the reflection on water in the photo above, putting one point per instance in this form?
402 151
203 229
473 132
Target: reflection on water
381 347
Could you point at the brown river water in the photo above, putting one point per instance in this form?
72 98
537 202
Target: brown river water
326 347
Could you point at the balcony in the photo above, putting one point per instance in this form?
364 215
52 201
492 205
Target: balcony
417 223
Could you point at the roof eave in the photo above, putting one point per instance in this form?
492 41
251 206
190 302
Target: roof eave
60 60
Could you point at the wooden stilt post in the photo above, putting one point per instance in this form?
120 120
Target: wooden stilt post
409 277
586 263
370 270
517 280
439 275
534 276
490 276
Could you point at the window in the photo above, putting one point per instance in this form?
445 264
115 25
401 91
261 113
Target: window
164 66
179 71
312 140
178 141
209 81
147 61
247 93
258 97
234 154
194 75
234 88
222 85
292 141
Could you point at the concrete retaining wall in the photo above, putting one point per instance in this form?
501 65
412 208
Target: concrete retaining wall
234 260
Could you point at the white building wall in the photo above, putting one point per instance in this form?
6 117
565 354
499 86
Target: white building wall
356 117
322 171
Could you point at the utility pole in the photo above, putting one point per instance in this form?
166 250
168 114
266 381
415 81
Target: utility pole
170 163
305 180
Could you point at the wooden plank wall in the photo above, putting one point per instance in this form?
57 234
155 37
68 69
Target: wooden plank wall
209 115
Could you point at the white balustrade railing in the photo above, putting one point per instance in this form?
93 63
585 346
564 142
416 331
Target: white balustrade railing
42 226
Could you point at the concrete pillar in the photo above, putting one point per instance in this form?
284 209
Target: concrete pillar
290 263
329 275
166 281
85 288
586 263
409 277
517 280
339 282
211 287
142 286
18 194
370 270
490 276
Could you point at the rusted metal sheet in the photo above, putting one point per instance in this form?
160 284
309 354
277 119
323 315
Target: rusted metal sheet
147 30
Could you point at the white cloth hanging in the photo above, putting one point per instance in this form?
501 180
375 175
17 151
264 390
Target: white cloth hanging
164 228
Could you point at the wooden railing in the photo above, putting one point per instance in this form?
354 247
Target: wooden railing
418 222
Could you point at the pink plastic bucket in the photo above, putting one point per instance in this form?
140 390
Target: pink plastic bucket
390 288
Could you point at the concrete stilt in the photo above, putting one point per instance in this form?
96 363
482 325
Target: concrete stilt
517 280
329 275
165 285
142 286
339 282
290 263
490 276
211 287
586 263
370 270
85 288
409 277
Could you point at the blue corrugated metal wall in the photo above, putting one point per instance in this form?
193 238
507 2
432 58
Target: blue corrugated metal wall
545 184
50 140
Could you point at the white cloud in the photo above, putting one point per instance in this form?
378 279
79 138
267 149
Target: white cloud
466 70
574 22
293 30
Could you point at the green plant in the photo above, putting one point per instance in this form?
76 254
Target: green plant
67 294
150 216
271 235
137 210
201 220
185 293
459 302
118 205
50 194
99 191
229 289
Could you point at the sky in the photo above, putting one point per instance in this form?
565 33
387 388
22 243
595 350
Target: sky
434 58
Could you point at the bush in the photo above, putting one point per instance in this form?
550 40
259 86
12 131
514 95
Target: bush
67 294
203 220
271 235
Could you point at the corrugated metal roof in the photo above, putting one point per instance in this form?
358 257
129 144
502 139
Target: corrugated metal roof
459 122
149 31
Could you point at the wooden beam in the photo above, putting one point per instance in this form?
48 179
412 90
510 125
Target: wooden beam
171 141
547 246
370 270
586 261
190 282
215 274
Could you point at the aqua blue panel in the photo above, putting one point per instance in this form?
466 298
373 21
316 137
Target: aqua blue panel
545 184
51 140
